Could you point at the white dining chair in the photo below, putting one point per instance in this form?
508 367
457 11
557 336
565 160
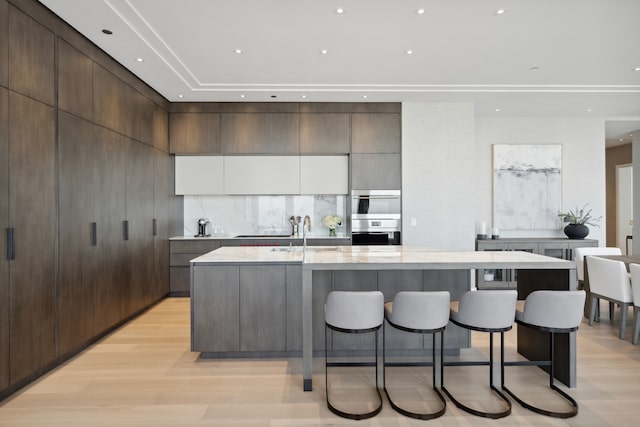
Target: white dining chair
580 253
635 290
608 279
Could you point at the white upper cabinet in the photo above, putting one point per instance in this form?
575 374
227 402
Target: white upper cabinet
324 175
261 175
199 175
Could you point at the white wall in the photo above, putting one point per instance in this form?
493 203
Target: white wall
438 187
447 169
583 162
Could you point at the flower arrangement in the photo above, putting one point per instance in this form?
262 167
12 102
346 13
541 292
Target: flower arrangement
580 217
331 222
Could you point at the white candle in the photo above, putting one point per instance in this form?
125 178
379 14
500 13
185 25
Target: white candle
482 228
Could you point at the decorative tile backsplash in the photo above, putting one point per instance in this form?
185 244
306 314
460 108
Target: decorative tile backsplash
233 215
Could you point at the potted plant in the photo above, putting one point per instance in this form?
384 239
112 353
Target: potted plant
577 222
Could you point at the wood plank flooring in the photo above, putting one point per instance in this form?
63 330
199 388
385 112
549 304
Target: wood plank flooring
143 374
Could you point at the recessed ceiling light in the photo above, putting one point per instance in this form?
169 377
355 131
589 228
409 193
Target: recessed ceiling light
339 11
636 69
365 96
238 51
420 11
139 59
621 140
107 32
588 110
497 110
324 51
242 96
180 95
409 52
500 11
304 96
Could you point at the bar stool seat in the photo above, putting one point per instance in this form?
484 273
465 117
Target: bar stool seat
353 313
484 311
420 313
553 312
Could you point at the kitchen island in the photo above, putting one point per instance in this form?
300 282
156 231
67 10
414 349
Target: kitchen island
251 299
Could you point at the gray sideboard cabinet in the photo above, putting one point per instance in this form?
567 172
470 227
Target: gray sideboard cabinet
507 278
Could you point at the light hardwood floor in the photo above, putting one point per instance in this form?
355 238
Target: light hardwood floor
143 374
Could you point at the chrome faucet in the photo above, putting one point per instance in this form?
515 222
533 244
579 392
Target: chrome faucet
307 223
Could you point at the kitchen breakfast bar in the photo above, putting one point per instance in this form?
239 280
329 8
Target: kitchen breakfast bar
268 302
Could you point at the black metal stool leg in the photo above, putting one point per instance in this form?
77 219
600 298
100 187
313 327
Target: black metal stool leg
460 405
337 411
551 363
406 412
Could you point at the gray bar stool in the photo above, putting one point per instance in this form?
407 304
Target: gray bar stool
556 312
420 313
484 311
353 313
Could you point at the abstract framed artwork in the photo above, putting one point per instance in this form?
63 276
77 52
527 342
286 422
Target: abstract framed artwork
527 186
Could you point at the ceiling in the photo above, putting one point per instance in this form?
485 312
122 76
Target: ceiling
576 58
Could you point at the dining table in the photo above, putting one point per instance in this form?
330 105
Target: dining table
627 259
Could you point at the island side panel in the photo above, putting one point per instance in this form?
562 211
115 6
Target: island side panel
534 344
215 300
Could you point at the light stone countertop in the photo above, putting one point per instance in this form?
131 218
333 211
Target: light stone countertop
388 257
262 237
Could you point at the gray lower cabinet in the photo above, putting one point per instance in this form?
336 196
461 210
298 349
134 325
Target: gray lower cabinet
216 308
263 318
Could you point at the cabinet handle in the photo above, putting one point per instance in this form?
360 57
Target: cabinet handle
155 227
126 229
94 234
11 253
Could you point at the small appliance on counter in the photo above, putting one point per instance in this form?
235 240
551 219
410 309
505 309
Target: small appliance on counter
202 228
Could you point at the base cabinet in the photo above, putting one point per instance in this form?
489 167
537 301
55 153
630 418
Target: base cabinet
256 310
508 278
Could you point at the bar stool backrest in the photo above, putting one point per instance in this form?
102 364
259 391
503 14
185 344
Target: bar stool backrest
580 253
635 278
554 309
354 310
421 310
488 309
609 278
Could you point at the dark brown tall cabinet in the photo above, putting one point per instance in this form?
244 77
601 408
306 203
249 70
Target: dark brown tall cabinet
32 214
85 193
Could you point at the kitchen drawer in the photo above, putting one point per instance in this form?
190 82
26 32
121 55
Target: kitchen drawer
193 246
181 260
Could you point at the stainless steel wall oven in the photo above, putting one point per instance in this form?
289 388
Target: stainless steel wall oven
375 217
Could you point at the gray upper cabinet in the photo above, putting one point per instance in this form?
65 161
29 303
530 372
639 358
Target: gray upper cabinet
325 133
31 58
376 171
4 43
194 133
260 133
375 133
75 81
